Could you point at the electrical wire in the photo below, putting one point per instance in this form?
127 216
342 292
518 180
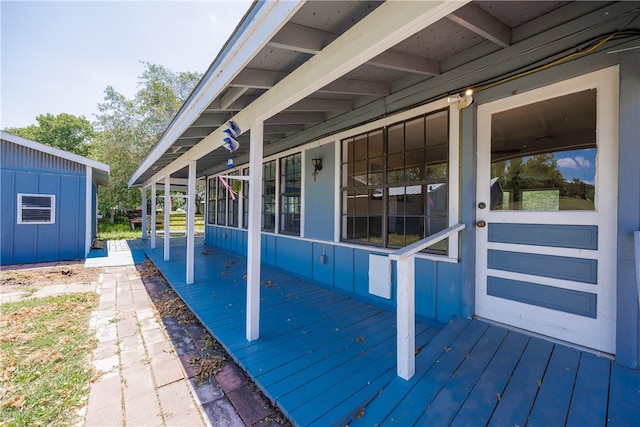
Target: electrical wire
591 45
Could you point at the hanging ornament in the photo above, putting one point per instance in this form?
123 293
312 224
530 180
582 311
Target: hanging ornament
231 141
230 162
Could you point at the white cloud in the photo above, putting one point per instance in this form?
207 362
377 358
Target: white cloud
567 162
583 162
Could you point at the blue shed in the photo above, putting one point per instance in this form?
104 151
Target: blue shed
49 202
371 130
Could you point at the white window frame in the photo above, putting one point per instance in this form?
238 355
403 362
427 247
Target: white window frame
454 173
52 209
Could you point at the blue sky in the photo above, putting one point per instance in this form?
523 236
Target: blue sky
58 57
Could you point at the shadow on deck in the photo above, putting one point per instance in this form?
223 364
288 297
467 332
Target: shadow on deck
327 359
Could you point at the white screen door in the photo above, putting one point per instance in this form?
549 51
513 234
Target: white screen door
547 210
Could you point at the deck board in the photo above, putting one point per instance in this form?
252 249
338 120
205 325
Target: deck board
487 392
329 360
552 403
445 406
589 403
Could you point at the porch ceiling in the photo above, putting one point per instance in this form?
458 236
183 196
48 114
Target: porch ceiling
468 34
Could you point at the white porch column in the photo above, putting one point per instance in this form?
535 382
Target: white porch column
89 215
406 318
144 214
167 215
254 235
154 203
191 220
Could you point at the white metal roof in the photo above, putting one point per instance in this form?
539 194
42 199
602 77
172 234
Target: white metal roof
54 151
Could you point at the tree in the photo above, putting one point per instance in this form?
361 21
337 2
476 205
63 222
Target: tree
129 128
64 131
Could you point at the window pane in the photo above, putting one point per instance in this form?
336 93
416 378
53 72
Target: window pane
395 137
269 196
402 193
36 215
395 168
414 131
360 147
376 141
543 155
211 213
290 189
437 144
36 201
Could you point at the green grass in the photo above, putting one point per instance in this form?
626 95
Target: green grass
45 345
122 228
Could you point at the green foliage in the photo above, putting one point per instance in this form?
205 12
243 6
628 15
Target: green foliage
64 131
129 128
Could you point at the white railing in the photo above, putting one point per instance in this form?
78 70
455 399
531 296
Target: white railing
406 318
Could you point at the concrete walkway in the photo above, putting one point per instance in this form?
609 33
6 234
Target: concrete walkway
140 380
145 378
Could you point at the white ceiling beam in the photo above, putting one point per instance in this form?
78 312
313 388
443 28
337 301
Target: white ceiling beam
257 78
396 60
295 118
266 79
357 87
231 95
299 38
480 22
386 26
211 120
317 104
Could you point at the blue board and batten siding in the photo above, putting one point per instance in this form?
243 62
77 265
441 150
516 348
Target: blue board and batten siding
29 171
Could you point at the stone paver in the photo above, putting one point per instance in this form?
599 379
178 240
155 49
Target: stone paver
146 379
141 381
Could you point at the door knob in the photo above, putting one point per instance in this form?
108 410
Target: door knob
481 224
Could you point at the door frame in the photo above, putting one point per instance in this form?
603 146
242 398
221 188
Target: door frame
598 333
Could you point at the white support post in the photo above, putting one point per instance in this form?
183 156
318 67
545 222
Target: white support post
167 216
406 317
145 222
254 234
191 220
154 203
89 214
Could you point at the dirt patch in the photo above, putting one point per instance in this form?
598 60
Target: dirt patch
40 277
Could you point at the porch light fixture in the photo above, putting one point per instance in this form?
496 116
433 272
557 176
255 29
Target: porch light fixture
317 166
463 100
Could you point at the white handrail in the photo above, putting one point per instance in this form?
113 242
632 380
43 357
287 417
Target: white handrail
405 315
424 243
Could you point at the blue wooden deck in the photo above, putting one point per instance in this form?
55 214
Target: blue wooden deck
326 359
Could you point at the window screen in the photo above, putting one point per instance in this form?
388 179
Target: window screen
36 208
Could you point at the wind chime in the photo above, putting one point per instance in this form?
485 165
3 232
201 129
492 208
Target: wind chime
231 141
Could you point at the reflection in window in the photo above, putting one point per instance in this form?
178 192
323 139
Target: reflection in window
211 206
395 183
543 155
269 196
290 190
233 203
